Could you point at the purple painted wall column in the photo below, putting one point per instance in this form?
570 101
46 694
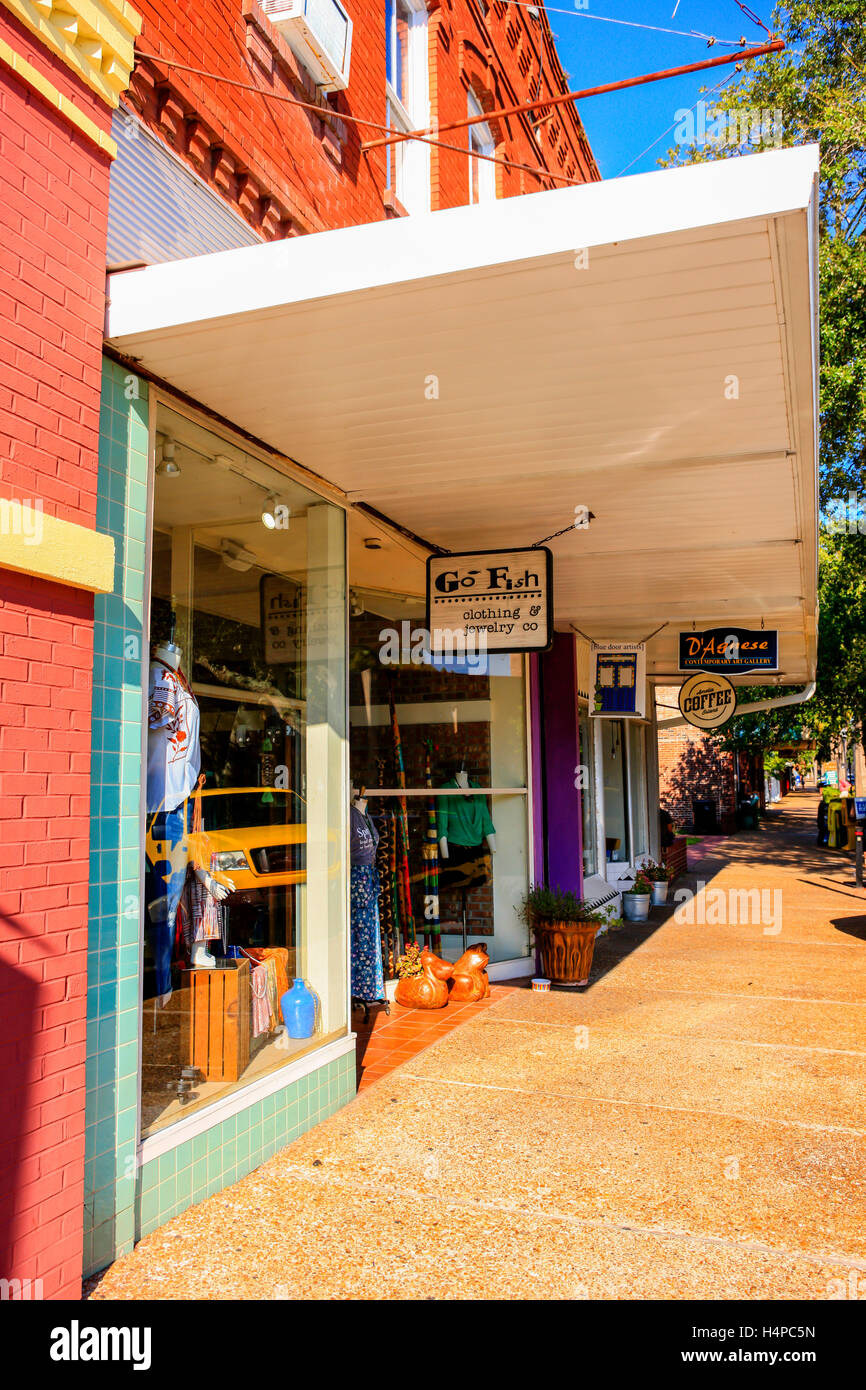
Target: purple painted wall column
536 830
556 755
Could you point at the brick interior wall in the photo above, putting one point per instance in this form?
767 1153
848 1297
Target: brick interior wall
53 216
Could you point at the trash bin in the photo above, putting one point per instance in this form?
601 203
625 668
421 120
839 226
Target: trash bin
837 826
704 817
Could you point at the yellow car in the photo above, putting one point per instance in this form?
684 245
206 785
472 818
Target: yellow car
256 835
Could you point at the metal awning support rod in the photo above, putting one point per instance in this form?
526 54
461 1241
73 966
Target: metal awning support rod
524 106
798 697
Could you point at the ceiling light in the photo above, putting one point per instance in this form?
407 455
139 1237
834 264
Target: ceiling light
235 557
275 513
167 463
372 543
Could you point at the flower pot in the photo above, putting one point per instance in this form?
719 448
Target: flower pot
565 950
636 906
428 990
660 892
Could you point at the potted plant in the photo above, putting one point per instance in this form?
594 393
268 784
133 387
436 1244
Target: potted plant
659 876
564 930
636 900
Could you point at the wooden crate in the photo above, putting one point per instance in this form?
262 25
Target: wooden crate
215 1021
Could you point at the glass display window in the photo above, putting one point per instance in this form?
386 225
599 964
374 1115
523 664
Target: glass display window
440 753
245 921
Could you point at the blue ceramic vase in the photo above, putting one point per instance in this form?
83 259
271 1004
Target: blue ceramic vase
298 1007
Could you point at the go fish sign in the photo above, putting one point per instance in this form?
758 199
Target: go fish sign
496 600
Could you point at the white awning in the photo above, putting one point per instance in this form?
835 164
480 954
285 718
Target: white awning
646 347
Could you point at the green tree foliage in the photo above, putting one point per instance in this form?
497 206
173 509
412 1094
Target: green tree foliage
815 90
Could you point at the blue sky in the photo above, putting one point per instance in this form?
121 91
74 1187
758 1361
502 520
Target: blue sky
620 126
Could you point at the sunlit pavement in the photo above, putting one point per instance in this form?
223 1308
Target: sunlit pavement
691 1125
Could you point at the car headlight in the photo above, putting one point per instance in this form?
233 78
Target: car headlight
230 859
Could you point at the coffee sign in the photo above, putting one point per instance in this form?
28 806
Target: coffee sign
730 650
707 700
490 600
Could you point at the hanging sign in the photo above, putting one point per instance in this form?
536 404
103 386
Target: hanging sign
282 620
730 650
617 680
707 700
490 600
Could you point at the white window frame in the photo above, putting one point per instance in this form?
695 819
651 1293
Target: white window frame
481 140
409 162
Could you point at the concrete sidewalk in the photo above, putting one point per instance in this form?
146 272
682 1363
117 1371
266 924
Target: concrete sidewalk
690 1126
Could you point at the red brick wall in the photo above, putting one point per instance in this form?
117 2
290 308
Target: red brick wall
53 214
284 168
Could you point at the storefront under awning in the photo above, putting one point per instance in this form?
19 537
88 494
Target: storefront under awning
645 347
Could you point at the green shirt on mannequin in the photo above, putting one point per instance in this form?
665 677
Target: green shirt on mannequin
463 820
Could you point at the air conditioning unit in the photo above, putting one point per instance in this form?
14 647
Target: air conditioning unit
319 33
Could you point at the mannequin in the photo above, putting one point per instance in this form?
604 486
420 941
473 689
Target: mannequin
461 779
368 977
173 764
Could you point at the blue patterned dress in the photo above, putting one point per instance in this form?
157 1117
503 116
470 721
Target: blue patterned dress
368 978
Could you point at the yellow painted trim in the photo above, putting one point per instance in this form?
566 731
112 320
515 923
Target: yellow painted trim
49 93
95 38
32 542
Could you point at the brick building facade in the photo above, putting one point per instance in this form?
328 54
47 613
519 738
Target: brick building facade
287 171
55 155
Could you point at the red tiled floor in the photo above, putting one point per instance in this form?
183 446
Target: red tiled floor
389 1039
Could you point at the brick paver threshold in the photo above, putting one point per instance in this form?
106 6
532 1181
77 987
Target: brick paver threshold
389 1039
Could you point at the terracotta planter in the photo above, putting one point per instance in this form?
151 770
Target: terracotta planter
565 950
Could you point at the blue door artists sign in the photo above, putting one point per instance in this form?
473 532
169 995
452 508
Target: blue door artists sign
730 650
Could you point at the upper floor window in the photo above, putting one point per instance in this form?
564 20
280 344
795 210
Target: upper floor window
408 102
482 173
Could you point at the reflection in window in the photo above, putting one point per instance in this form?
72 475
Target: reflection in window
245 835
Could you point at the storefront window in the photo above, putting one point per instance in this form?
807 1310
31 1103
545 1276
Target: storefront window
587 796
614 769
638 789
448 863
245 872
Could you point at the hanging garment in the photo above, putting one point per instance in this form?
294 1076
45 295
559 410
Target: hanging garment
407 919
387 921
173 757
280 956
273 991
431 855
467 866
165 865
363 837
203 916
368 982
465 820
261 1008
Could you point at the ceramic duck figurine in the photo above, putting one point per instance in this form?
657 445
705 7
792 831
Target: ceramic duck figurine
470 975
427 991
